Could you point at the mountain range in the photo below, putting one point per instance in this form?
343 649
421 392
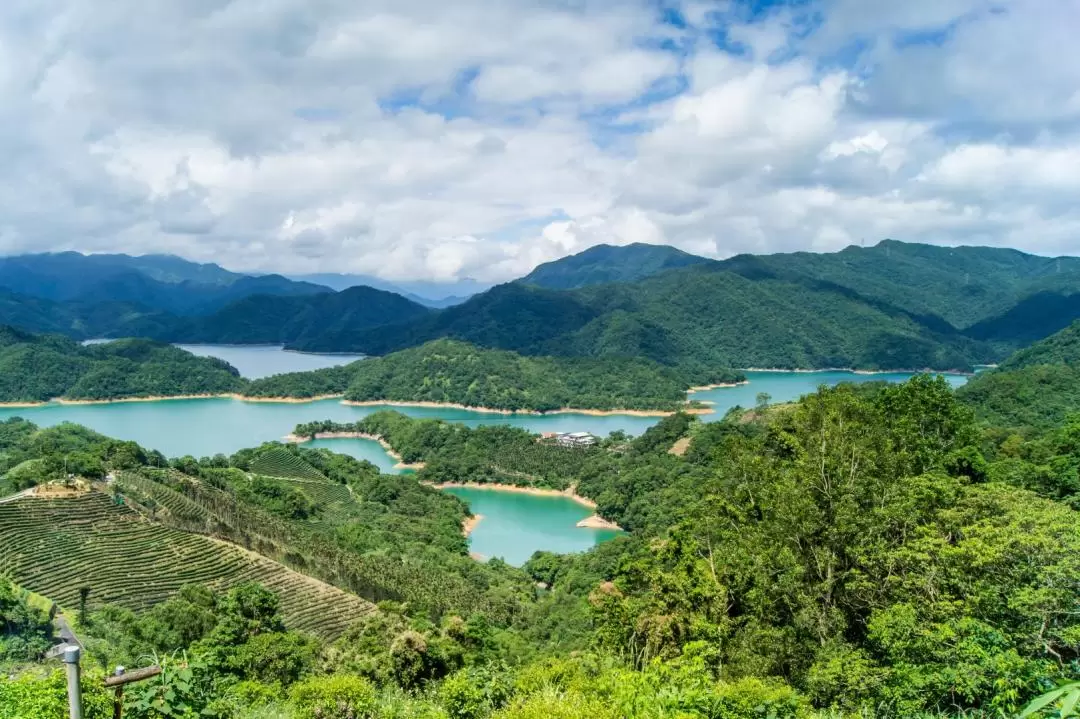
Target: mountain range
895 305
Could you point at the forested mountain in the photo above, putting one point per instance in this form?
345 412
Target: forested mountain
429 294
332 318
962 285
1035 388
447 371
153 282
36 368
1032 318
695 315
601 264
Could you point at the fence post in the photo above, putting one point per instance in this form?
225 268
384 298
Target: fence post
71 662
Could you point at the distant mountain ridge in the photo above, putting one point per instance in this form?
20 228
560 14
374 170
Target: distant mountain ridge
697 315
602 264
155 282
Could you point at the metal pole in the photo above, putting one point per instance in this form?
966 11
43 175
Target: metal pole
71 661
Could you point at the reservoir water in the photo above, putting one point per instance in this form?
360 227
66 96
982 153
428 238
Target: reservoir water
515 524
258 361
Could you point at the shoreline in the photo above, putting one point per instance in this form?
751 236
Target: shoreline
297 439
166 398
852 370
470 523
718 385
534 412
568 493
595 521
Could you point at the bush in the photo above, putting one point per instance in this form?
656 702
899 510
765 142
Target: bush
334 697
35 696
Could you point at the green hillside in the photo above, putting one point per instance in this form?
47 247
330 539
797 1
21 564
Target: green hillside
36 368
449 371
56 547
272 319
1036 387
961 285
696 316
602 264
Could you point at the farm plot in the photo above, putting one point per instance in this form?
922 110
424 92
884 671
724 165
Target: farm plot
56 547
280 462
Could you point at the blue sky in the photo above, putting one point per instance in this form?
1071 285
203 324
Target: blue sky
417 139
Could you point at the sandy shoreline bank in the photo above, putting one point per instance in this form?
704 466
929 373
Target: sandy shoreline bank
166 398
470 523
595 521
851 370
297 439
718 385
563 410
569 492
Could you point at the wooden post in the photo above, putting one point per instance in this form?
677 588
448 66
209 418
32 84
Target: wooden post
118 700
121 678
71 662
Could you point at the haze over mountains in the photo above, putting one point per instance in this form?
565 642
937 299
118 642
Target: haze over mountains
891 306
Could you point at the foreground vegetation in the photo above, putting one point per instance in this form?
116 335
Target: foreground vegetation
868 551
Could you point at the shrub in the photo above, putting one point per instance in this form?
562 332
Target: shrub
334 697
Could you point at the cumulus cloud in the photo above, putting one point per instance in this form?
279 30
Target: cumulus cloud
422 140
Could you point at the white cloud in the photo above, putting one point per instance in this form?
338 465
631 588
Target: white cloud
415 139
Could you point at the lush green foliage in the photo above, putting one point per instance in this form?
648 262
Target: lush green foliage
693 317
454 453
866 551
1034 389
35 368
961 285
446 371
330 318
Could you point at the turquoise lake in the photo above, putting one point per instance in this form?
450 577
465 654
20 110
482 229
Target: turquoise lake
203 427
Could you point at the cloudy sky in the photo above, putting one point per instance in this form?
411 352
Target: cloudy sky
425 139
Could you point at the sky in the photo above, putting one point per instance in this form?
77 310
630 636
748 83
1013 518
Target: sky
433 140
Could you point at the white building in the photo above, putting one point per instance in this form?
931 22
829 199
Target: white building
575 439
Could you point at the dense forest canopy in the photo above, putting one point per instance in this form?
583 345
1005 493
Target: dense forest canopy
447 371
696 315
36 368
1036 388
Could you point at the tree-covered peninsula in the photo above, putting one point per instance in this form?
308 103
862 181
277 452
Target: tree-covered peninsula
451 372
37 368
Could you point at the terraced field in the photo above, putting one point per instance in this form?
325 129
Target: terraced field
280 462
54 547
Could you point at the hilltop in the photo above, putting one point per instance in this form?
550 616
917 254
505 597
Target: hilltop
602 264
